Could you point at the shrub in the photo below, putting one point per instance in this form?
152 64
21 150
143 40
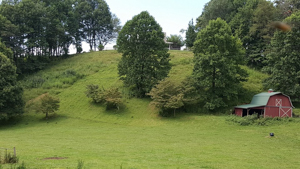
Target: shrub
100 47
255 120
111 97
94 93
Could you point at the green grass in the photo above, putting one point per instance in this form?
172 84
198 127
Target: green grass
136 137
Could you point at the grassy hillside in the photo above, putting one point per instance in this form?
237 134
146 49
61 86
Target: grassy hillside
136 137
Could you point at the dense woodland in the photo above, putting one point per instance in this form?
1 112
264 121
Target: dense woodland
227 34
37 29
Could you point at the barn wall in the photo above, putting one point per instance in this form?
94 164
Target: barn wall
238 112
272 112
285 100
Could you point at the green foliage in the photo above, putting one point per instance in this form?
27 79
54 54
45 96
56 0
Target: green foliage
177 41
8 158
190 35
47 104
11 103
6 51
255 120
80 164
100 47
283 62
145 60
166 96
97 22
93 92
218 55
224 9
111 97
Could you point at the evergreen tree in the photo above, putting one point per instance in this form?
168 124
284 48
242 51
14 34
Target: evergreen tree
283 61
145 60
216 71
190 35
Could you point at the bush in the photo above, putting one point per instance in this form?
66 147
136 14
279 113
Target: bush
96 94
100 47
255 120
111 97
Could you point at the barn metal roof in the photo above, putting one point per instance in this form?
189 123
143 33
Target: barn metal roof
263 98
247 106
258 100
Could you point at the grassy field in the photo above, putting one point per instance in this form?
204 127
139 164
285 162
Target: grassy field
136 137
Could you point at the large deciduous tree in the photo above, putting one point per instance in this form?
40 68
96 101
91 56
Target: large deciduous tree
283 61
217 55
145 60
11 102
96 21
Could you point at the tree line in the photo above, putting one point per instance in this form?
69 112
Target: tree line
266 48
36 29
226 35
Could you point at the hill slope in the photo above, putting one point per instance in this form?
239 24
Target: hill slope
136 137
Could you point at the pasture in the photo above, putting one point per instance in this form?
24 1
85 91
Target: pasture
136 137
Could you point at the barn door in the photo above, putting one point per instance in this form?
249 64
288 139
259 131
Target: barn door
283 111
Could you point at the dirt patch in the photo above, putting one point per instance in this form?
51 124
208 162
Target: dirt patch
54 158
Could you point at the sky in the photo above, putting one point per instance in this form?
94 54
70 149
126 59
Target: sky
172 15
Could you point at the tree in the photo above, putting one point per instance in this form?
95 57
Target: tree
166 96
286 7
190 35
145 60
260 33
283 62
177 41
11 102
216 71
49 104
225 9
96 21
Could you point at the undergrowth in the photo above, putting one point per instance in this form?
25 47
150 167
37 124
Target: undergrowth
255 120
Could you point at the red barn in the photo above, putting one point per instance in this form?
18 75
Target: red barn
268 104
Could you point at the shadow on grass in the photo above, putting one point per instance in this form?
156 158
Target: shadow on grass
30 119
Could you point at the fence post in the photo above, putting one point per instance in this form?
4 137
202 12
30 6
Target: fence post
15 152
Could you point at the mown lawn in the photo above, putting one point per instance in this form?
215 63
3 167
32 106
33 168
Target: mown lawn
135 136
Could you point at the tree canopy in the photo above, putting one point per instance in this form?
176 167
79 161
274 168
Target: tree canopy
218 55
283 63
11 102
43 28
145 60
